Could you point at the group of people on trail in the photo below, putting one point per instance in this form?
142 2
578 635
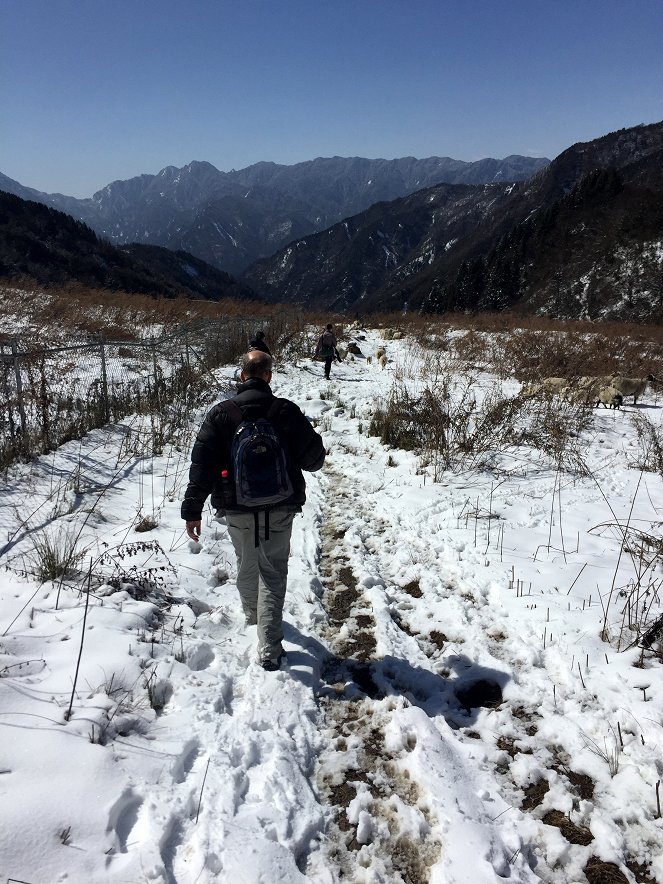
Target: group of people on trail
326 348
248 457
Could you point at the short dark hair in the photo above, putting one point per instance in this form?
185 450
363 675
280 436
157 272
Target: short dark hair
255 364
260 335
329 326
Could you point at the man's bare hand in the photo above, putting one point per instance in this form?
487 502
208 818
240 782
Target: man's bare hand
193 529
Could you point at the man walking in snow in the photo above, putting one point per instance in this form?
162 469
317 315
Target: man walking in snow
327 348
260 535
258 343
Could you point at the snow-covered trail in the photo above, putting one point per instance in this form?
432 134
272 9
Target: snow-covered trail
416 714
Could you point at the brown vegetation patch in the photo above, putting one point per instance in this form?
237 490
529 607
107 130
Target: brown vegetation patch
600 872
360 647
147 523
340 605
364 621
411 861
413 589
498 636
346 577
374 743
508 745
534 794
573 834
582 784
523 714
438 638
341 796
640 871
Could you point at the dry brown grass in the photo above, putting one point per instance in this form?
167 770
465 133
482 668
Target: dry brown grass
450 430
78 311
532 347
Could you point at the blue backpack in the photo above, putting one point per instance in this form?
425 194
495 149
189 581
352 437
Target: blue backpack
259 460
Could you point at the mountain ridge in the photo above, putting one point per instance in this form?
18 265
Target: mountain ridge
448 267
231 219
51 247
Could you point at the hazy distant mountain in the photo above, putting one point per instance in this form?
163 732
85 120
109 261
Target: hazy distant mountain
581 238
231 219
50 246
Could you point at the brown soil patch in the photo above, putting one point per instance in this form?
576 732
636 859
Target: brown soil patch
599 872
508 745
341 796
413 863
523 714
484 693
534 794
413 589
374 743
361 647
640 872
347 578
438 638
573 834
583 785
362 676
364 621
340 605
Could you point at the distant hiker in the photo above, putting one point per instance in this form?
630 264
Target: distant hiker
249 455
327 348
258 343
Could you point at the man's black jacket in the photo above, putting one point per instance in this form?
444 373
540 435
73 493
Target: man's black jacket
211 451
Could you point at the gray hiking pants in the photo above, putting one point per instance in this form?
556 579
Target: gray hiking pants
262 574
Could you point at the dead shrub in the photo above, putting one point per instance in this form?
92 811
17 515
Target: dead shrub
451 429
650 444
471 348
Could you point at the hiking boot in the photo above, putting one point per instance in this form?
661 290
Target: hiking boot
271 664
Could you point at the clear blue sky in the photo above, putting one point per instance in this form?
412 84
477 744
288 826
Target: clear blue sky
96 90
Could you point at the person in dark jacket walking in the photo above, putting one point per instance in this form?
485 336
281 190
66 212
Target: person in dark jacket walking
261 539
327 348
258 343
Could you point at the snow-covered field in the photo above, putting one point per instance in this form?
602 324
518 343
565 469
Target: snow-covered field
449 711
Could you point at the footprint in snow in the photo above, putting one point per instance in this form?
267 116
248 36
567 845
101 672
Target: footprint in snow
123 817
201 657
185 761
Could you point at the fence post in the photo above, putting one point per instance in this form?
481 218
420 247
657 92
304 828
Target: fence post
19 384
104 381
157 392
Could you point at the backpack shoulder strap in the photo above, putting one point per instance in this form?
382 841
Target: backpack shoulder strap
233 411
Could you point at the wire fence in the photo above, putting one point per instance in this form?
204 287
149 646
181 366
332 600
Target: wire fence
51 395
